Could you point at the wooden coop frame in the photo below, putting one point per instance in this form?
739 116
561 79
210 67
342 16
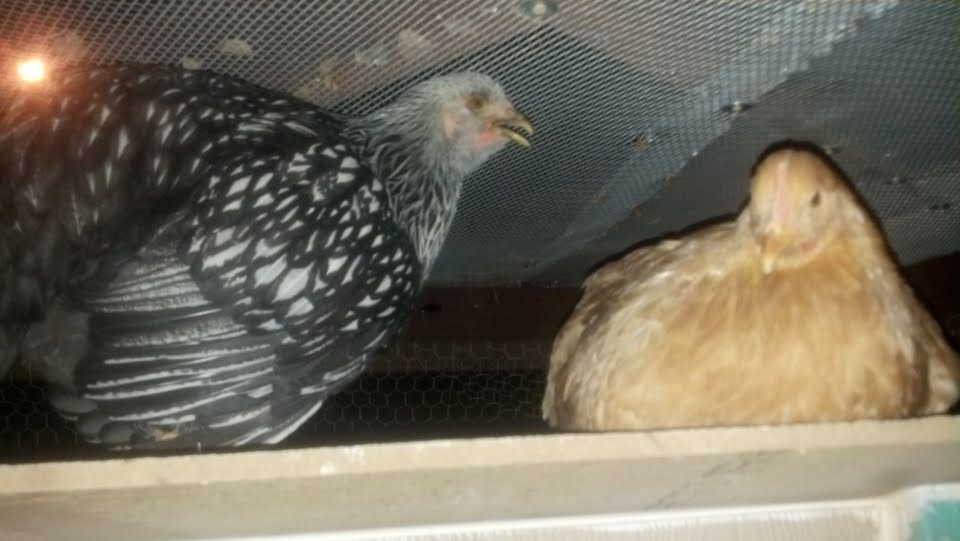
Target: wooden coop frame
886 480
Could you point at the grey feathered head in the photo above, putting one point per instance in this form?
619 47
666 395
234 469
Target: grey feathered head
444 127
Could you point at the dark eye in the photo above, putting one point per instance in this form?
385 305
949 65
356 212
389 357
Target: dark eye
815 200
476 101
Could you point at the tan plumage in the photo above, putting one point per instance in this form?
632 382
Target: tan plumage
792 313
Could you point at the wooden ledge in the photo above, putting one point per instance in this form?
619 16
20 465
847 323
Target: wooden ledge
192 469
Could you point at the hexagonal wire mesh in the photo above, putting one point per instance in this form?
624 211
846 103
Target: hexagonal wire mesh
400 404
649 115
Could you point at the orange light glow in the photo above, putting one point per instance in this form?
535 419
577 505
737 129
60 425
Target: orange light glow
31 71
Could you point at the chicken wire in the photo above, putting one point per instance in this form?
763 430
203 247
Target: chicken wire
648 117
653 107
415 391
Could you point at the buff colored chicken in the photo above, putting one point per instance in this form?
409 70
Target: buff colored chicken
793 313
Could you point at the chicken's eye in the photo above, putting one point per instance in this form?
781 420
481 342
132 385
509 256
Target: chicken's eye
815 200
476 101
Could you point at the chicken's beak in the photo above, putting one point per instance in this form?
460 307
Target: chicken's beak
516 127
770 248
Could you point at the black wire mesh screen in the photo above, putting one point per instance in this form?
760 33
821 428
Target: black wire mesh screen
433 390
634 102
649 115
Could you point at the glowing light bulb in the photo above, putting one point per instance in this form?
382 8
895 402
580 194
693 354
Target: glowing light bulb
31 71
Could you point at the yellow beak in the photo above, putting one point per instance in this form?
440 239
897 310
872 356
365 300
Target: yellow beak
517 127
771 247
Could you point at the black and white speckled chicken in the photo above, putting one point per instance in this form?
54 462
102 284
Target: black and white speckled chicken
215 258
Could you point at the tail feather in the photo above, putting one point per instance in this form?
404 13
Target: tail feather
238 422
172 374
